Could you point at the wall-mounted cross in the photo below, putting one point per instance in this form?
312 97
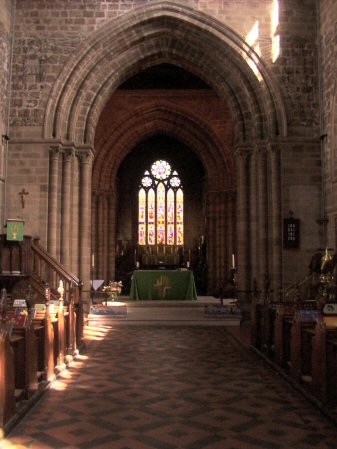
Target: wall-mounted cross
23 193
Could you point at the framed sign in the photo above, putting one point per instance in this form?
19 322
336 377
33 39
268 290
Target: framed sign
15 230
291 233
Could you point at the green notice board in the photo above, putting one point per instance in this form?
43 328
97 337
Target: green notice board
15 230
163 285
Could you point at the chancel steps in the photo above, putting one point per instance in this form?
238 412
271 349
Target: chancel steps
205 311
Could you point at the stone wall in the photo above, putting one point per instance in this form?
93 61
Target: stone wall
6 18
328 64
50 33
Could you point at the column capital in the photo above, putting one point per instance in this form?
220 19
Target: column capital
68 152
54 151
274 149
243 152
85 156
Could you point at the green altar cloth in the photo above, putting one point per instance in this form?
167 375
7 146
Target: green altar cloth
163 284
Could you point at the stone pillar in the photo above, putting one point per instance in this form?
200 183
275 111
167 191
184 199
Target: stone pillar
222 237
263 236
66 208
52 240
106 232
75 212
100 236
93 261
276 219
218 231
254 260
230 218
211 241
242 166
112 235
85 158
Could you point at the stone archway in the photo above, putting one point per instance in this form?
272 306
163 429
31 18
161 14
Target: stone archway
170 33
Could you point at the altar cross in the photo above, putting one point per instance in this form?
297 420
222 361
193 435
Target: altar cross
23 193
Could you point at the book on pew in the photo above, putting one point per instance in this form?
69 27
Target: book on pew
309 316
20 303
40 307
16 320
21 311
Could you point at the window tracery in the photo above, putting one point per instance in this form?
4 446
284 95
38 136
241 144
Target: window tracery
160 206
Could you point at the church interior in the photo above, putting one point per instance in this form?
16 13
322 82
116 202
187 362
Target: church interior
168 224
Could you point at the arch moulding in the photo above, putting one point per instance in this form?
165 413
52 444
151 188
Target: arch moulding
174 34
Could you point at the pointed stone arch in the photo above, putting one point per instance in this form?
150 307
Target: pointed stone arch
193 132
168 32
153 34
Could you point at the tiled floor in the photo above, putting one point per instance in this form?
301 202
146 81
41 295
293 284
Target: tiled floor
138 387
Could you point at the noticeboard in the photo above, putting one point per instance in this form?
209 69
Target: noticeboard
291 233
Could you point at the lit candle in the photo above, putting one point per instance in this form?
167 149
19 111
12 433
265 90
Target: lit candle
233 260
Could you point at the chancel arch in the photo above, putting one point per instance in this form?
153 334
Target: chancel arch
188 39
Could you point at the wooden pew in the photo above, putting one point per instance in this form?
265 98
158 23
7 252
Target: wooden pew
25 347
59 330
324 361
301 339
7 385
291 319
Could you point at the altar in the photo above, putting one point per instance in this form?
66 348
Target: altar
163 285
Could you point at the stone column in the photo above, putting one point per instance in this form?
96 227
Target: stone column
276 219
85 158
253 229
75 212
218 231
230 218
106 232
222 236
52 240
65 207
112 235
100 236
242 166
211 241
263 236
94 234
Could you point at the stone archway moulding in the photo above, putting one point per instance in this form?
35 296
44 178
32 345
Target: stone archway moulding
144 123
150 35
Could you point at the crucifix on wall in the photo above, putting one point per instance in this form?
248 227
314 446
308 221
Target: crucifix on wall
23 193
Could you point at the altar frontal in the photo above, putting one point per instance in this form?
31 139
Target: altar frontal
163 285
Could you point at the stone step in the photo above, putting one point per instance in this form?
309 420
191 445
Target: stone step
166 313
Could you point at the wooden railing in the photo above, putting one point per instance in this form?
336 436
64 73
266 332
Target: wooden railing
28 259
46 269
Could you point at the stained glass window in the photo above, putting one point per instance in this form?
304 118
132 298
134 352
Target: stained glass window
141 216
160 206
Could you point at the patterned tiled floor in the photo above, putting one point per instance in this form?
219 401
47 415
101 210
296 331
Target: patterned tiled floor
167 388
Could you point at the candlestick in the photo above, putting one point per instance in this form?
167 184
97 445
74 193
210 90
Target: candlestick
233 260
93 260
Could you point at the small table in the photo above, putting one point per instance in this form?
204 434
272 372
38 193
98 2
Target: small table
163 285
